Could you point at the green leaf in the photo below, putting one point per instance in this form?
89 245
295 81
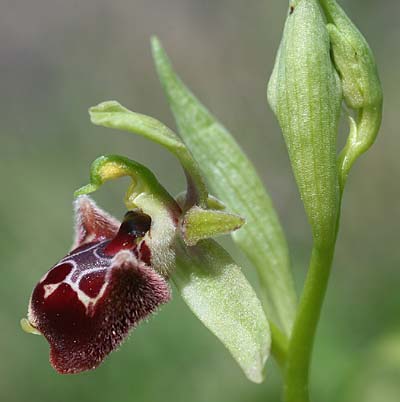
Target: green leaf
201 224
113 115
234 180
218 293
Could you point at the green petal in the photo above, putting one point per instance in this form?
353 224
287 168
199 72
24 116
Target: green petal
201 224
218 293
233 179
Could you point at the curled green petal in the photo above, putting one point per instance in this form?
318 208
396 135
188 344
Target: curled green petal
110 167
234 180
218 293
113 115
201 224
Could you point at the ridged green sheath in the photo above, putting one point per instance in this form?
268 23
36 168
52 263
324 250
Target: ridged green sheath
305 94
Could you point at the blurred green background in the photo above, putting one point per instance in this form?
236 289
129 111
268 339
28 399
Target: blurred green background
57 58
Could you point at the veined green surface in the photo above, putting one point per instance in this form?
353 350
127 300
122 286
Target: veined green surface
218 293
304 92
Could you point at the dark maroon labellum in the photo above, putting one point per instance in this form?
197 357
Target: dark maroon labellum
87 303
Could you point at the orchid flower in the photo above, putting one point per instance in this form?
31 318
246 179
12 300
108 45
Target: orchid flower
117 274
87 303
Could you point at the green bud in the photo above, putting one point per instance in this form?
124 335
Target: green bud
353 59
362 90
304 92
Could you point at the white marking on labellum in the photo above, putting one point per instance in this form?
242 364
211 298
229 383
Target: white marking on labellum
75 276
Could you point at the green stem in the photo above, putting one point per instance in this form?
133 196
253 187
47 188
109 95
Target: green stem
279 345
302 339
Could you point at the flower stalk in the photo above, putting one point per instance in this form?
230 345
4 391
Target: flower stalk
296 377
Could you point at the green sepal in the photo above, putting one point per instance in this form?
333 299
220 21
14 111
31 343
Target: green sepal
198 224
304 92
234 180
218 293
113 115
362 89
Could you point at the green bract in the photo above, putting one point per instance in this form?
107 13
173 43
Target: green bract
305 94
233 178
215 289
